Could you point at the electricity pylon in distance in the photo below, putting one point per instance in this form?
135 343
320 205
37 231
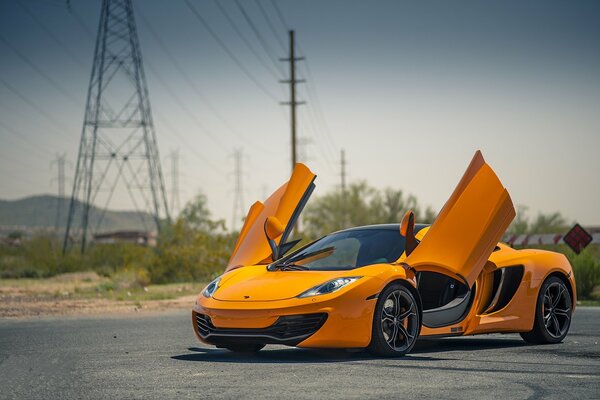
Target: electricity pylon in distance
118 150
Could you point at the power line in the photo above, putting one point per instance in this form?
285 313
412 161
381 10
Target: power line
229 52
81 23
280 15
259 36
28 145
312 92
191 115
270 24
49 32
187 78
47 77
245 40
58 125
186 143
311 88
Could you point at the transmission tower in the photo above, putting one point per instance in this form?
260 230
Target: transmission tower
60 162
238 198
343 171
175 202
118 142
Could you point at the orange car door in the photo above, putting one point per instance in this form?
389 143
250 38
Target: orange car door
468 227
285 204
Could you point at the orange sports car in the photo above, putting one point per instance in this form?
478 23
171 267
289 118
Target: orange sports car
380 287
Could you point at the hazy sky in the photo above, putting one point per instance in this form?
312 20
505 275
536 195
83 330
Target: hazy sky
409 89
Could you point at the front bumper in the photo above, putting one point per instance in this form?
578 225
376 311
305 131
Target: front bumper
288 330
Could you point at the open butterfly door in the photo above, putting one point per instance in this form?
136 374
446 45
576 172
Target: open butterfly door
468 227
285 204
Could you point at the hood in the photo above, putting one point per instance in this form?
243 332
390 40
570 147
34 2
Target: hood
255 283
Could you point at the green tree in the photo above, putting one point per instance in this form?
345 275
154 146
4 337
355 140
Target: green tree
542 223
195 247
548 223
358 205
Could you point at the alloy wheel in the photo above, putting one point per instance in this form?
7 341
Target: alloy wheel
556 309
399 320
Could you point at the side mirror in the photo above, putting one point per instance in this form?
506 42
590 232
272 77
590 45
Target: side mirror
273 229
407 229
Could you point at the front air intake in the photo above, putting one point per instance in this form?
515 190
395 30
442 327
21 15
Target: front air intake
289 330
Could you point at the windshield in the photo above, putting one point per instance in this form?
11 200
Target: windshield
349 249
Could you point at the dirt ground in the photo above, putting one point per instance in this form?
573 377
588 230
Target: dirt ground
81 294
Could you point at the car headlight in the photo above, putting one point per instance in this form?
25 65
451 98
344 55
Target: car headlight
211 288
329 287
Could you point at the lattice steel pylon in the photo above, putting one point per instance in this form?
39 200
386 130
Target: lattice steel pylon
118 143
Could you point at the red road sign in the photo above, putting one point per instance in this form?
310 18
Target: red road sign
577 238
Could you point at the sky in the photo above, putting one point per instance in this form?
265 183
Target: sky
409 90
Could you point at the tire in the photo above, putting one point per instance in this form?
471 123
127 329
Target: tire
553 313
245 348
396 322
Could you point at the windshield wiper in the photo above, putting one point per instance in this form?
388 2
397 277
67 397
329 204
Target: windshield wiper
288 267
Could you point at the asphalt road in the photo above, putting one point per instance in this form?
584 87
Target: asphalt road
158 357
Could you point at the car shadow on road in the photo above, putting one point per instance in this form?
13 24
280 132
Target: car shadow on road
465 344
298 355
290 355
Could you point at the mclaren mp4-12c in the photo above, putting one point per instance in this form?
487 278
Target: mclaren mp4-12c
380 287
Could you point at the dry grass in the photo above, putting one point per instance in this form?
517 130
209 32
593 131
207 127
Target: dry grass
87 293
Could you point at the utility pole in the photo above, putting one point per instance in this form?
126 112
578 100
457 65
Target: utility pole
238 198
293 103
60 162
175 202
343 171
118 145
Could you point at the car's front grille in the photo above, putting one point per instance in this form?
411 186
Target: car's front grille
289 329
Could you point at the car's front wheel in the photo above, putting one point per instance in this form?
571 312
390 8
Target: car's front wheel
396 322
552 314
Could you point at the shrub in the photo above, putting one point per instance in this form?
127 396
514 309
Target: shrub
587 273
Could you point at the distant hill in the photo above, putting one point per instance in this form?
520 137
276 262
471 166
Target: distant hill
40 212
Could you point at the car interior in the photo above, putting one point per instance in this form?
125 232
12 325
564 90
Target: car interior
445 300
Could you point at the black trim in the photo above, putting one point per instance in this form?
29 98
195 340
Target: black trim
288 330
441 335
507 288
373 296
294 218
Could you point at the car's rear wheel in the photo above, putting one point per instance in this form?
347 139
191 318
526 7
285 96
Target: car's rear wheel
396 322
245 348
552 314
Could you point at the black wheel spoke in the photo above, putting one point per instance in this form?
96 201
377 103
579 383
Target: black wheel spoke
392 339
558 296
388 314
396 303
407 313
565 313
556 325
405 332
